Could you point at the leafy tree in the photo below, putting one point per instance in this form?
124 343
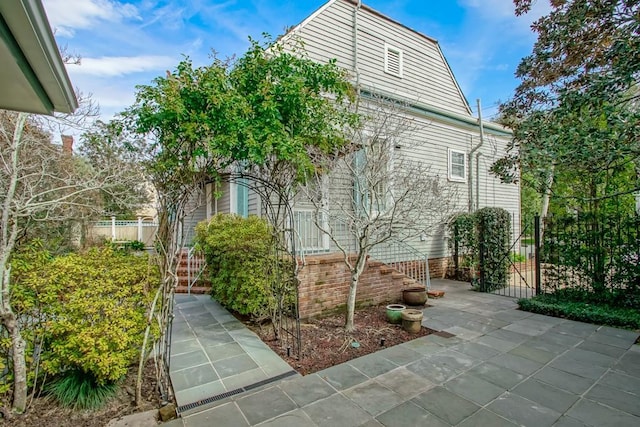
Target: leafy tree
269 111
575 114
99 146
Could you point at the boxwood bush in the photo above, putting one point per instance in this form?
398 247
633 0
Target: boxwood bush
240 256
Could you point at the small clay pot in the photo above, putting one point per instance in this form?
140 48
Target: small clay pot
415 296
411 320
394 313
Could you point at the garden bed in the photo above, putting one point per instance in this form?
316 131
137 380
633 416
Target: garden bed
590 312
45 411
325 343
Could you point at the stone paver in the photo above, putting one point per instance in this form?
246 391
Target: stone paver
505 368
212 353
446 405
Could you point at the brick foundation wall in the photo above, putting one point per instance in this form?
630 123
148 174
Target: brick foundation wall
325 279
438 267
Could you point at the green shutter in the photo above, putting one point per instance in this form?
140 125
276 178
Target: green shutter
242 198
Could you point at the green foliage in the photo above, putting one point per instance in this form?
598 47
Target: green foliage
239 254
269 106
128 246
595 255
494 235
489 230
530 200
517 257
87 311
103 147
562 305
463 228
78 390
575 114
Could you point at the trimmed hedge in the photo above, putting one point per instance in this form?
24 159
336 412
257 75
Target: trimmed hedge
600 314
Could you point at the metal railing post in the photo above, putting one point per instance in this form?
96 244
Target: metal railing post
537 245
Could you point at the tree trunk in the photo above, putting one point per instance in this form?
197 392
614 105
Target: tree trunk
143 350
9 321
361 262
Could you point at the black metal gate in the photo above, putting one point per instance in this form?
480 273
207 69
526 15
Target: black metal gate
516 272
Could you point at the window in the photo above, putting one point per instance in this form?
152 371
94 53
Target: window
373 169
310 238
457 165
392 61
239 197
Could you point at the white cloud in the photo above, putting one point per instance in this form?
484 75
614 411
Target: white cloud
110 66
504 10
83 14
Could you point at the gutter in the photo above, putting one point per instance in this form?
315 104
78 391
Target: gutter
356 70
26 20
438 114
473 206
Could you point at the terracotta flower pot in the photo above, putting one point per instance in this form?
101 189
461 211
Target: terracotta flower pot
414 296
411 320
394 313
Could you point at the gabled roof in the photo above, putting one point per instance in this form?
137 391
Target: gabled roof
33 77
381 15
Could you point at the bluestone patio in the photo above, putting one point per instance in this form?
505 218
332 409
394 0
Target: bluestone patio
492 365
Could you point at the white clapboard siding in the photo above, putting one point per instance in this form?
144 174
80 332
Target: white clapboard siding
426 75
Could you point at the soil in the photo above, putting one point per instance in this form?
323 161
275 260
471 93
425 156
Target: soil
44 411
325 343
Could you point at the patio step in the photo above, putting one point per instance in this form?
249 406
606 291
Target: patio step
196 289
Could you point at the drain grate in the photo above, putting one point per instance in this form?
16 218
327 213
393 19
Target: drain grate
206 401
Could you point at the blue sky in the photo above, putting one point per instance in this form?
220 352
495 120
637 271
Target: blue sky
126 43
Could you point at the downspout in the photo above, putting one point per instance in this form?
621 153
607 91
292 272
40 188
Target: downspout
473 205
356 70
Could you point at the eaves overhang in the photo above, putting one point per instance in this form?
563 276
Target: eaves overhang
33 77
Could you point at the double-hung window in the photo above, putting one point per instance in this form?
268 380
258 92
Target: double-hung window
457 165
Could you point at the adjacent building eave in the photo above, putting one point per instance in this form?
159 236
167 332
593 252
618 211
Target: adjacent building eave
33 77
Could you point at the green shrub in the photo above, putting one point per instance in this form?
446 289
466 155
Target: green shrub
600 314
78 390
87 310
240 256
494 235
516 257
488 229
463 230
128 246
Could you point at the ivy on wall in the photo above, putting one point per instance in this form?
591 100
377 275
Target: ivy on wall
481 242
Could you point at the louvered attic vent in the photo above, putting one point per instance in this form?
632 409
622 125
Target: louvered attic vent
393 61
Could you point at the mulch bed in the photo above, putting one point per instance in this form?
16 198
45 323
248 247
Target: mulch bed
44 411
325 343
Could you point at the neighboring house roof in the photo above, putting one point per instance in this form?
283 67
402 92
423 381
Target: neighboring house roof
33 77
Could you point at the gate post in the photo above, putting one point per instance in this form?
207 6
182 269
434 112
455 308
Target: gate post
456 253
537 253
483 287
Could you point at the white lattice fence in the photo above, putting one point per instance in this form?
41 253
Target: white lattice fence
118 230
